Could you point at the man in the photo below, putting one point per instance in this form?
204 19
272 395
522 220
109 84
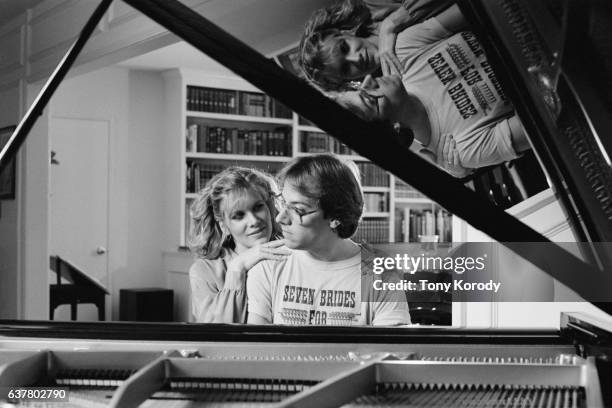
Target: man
327 280
450 89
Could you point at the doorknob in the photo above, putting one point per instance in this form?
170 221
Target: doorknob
100 250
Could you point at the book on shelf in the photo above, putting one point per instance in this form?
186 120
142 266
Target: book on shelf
406 224
372 231
372 175
317 142
404 190
202 99
200 171
211 100
375 202
215 139
198 174
191 138
426 223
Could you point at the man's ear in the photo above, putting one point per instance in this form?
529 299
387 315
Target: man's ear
333 224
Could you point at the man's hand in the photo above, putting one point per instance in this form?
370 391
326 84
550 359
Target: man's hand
447 157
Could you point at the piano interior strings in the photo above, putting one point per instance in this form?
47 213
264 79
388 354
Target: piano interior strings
325 375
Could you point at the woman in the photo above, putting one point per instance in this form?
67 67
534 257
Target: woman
451 87
379 20
232 223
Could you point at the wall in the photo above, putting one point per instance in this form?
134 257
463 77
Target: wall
146 229
33 217
543 213
9 115
30 47
12 91
132 102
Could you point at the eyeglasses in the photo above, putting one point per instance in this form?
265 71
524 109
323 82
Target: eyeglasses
293 211
369 99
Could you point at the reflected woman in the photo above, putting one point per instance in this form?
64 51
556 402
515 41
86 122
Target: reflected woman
232 229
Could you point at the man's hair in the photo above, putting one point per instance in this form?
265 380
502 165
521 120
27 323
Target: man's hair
344 17
332 183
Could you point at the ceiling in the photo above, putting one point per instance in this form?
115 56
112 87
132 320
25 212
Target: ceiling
179 55
269 26
10 9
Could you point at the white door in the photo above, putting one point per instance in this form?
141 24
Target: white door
78 202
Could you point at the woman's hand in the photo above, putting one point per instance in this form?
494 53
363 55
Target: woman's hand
242 263
256 254
394 23
447 157
389 63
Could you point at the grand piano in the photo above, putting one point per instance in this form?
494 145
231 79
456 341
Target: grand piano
538 49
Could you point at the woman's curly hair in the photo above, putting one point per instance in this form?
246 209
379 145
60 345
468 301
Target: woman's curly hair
206 238
345 16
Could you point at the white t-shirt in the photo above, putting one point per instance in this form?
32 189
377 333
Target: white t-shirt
451 75
301 290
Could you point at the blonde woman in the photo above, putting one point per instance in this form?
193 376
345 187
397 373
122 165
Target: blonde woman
232 229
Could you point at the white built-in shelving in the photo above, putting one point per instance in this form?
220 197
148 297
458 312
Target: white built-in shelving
384 203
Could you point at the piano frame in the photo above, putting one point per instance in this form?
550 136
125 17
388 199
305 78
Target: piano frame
345 363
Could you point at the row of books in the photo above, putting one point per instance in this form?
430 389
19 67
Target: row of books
215 139
258 104
317 142
404 190
229 101
199 173
375 202
372 231
422 223
372 175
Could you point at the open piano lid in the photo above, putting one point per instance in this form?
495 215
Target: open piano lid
555 58
565 116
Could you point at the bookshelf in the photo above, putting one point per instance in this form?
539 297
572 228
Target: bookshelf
415 214
216 122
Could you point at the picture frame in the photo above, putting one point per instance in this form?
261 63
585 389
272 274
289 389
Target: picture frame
7 176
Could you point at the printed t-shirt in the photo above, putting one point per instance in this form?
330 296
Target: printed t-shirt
301 290
451 75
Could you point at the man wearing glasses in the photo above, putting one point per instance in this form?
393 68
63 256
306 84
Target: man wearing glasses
327 280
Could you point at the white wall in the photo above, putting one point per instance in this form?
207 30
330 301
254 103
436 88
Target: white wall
33 228
9 115
132 102
543 213
30 47
146 229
